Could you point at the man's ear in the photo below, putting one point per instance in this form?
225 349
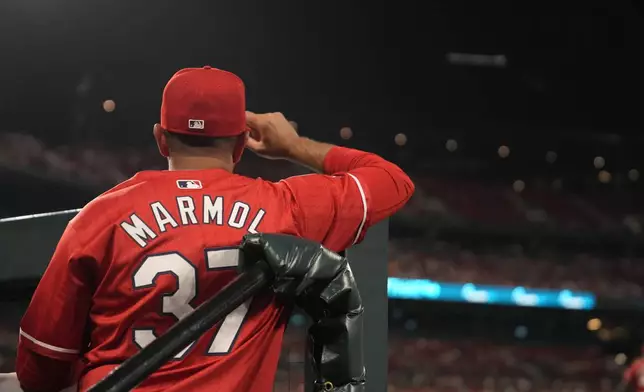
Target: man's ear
240 145
162 142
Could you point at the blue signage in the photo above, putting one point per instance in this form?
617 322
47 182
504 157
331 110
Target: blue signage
425 289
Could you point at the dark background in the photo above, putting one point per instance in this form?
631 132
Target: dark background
567 80
573 69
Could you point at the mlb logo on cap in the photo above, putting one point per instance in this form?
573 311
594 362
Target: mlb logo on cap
196 124
189 184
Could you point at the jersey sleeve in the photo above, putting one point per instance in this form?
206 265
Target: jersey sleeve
54 323
329 209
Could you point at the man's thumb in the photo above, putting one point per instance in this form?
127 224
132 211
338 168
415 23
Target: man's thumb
253 144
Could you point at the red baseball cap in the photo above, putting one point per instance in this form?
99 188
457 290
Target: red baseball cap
204 101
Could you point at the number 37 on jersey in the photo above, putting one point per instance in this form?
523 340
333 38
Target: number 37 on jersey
177 304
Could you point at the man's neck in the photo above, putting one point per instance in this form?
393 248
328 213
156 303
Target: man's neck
199 163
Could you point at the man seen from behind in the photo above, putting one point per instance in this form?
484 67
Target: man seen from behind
144 254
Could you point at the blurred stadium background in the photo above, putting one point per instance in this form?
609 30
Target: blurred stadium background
519 263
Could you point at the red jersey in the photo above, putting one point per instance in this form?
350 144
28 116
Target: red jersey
634 375
146 253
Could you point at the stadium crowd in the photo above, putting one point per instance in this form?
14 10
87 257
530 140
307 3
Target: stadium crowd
511 266
473 365
485 366
538 203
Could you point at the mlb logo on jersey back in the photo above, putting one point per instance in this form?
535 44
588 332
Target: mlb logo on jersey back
189 184
196 124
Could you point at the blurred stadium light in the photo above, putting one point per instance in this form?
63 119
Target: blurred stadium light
424 289
481 60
